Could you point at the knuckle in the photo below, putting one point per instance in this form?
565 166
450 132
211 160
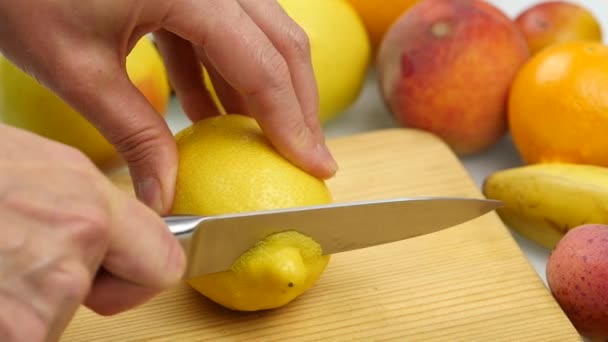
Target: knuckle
68 79
276 65
141 145
275 75
298 130
298 41
91 224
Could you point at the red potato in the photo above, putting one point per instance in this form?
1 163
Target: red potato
577 274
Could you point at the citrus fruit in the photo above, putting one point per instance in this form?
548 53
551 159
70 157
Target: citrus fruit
551 22
269 275
340 52
26 104
378 16
146 70
226 165
558 108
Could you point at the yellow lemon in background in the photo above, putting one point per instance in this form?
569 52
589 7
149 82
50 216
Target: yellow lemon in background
340 51
147 72
226 165
26 104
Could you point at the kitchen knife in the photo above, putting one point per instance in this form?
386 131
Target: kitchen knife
213 243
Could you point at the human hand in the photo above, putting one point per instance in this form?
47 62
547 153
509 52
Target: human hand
258 59
61 221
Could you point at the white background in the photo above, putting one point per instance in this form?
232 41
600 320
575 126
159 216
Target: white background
368 113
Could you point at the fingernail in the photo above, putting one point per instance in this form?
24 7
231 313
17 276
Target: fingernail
148 191
330 162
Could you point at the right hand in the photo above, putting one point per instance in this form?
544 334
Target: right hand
69 237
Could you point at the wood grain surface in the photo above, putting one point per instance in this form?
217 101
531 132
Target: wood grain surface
467 283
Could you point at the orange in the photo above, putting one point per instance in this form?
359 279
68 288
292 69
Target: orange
378 16
558 105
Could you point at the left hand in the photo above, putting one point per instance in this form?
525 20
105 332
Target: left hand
258 58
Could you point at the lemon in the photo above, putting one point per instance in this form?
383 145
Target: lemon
340 52
271 274
226 165
26 104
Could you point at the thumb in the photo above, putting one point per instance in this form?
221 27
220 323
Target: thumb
131 124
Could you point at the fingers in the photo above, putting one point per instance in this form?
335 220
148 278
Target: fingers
59 230
124 116
293 44
245 57
186 76
141 249
143 258
44 275
231 99
111 295
145 142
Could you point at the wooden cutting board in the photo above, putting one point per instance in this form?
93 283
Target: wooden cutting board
468 283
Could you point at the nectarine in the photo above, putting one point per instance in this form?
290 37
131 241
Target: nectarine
550 22
446 66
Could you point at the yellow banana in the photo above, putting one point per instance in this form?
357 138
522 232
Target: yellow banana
544 201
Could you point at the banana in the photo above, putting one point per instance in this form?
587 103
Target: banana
544 201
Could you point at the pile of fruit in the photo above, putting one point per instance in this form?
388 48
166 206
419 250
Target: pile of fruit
470 74
462 70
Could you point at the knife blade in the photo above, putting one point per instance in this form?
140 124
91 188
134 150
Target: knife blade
213 243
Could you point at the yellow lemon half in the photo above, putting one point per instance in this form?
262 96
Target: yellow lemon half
26 104
226 165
